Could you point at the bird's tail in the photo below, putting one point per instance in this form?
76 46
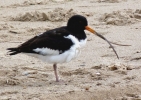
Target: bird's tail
13 51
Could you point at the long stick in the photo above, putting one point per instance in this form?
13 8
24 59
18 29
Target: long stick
99 35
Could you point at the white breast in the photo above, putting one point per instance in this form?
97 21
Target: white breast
83 42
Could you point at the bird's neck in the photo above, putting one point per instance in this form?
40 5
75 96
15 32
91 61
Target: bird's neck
79 34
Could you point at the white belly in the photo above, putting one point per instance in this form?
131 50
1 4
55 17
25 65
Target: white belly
61 58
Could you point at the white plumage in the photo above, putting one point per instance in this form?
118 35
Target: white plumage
46 51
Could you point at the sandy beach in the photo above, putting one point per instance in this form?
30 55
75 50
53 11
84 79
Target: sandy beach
96 74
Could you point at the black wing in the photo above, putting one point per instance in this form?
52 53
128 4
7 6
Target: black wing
53 39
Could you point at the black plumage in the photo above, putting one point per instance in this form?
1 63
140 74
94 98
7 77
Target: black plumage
54 39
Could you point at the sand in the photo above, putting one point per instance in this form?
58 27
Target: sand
96 74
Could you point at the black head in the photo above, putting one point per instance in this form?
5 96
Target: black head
77 23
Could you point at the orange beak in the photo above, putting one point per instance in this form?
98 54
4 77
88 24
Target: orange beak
90 29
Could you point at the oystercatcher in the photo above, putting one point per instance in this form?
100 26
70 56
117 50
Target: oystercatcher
58 45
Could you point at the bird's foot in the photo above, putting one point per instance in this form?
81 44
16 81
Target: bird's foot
61 82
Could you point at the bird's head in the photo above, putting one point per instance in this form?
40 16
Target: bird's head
78 23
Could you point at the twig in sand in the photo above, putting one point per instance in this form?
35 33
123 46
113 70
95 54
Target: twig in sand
11 31
120 44
138 58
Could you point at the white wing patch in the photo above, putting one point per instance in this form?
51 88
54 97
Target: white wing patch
73 39
76 42
46 51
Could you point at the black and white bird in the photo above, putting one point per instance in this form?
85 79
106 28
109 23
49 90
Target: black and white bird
58 45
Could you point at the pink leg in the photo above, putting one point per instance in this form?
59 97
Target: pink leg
55 72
